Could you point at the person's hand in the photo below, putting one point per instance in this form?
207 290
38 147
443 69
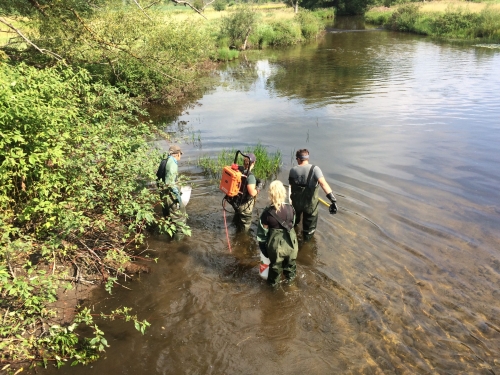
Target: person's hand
260 185
333 206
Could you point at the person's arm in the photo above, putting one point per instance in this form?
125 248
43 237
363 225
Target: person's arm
324 185
252 190
329 194
251 186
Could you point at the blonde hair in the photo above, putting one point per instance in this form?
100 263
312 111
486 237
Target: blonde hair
277 194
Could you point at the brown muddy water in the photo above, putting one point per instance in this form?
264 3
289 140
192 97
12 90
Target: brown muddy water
405 279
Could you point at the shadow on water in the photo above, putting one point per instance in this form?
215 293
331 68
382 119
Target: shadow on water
350 24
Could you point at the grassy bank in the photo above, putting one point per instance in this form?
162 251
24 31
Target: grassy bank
256 28
450 20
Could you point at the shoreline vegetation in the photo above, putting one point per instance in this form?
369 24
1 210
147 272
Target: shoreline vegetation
455 20
76 199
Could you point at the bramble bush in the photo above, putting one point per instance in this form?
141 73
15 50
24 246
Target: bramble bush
75 163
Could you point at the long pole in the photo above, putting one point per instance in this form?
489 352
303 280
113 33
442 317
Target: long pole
324 202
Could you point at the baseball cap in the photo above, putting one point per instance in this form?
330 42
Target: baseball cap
174 149
251 157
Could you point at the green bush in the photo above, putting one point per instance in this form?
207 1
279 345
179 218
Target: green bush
455 23
488 26
404 18
219 5
74 164
263 36
156 58
310 24
237 26
286 33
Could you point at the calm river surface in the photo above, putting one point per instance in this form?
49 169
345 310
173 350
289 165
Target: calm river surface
405 279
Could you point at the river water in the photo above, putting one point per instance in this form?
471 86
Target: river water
404 279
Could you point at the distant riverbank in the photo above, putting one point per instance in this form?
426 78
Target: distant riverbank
478 22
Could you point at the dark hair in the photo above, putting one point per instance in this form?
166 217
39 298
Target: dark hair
301 152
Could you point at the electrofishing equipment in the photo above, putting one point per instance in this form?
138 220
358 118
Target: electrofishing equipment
233 184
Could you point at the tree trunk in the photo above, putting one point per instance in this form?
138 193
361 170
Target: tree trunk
244 47
296 7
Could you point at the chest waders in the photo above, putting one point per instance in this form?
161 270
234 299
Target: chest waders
282 248
305 202
172 206
242 203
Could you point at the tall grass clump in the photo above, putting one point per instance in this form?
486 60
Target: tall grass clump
310 24
226 54
378 17
286 33
267 165
325 13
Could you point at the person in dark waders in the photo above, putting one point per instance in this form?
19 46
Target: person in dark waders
170 194
244 205
276 236
305 180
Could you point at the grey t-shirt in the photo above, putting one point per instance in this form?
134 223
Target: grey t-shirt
298 175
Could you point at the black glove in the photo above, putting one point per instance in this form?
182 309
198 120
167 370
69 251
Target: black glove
260 185
333 206
263 248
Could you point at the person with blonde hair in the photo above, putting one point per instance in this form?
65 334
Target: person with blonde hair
276 236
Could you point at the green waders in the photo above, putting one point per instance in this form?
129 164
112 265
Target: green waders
173 209
243 215
305 202
282 249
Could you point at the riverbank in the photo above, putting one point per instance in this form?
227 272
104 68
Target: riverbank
74 207
449 20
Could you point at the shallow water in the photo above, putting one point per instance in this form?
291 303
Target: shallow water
404 279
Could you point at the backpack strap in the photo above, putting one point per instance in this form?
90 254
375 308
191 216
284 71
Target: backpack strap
283 223
310 174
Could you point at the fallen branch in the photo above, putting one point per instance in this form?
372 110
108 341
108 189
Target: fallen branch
180 2
143 11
